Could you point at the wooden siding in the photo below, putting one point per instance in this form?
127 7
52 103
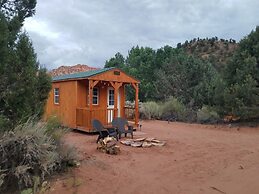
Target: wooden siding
111 76
66 109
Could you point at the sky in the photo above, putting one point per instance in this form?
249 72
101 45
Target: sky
69 32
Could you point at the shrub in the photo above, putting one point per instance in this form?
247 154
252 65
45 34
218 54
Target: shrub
28 155
53 123
4 122
151 110
173 109
207 115
54 128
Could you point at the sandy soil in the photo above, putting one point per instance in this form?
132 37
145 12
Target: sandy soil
196 159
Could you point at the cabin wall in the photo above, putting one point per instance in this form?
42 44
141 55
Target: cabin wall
82 93
73 95
66 109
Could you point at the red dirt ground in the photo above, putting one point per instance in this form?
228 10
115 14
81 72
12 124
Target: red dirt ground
196 159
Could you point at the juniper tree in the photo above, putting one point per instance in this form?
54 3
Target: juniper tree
22 83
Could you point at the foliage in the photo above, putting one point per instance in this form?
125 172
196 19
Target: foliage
3 122
188 78
24 85
53 123
207 115
140 64
242 75
209 72
116 61
28 155
250 44
216 51
173 109
54 128
151 110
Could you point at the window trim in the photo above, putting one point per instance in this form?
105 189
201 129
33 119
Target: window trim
95 96
108 97
56 95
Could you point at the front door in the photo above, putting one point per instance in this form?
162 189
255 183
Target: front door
110 104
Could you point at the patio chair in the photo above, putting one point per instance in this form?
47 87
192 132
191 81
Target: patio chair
120 124
97 125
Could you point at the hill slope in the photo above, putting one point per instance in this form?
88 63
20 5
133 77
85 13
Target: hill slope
217 51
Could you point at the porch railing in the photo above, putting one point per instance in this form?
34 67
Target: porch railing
129 113
84 117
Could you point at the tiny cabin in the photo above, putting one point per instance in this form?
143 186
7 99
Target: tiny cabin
78 98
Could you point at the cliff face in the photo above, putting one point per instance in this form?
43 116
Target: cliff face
62 70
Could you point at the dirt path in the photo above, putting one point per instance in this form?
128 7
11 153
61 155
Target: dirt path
196 159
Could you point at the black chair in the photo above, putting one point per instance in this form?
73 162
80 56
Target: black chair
97 125
120 124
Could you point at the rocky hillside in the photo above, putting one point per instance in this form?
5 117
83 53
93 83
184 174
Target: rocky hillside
217 51
70 69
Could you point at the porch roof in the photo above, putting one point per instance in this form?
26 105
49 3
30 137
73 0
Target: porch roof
85 74
106 74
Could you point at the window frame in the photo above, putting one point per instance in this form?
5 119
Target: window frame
109 97
56 96
95 96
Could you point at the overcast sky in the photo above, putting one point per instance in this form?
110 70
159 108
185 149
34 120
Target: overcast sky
68 32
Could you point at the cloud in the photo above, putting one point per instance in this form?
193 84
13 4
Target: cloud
90 32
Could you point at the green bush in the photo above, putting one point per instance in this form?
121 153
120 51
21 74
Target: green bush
207 115
173 109
54 128
28 155
151 110
53 123
4 123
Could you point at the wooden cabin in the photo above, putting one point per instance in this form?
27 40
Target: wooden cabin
78 98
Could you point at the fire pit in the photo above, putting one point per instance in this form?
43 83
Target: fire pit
143 142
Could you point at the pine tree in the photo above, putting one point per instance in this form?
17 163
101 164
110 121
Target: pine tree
22 92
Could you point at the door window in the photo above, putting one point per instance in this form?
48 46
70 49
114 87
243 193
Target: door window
95 96
111 97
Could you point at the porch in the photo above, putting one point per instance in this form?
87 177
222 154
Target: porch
84 116
104 100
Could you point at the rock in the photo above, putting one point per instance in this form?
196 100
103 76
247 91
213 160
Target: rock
142 142
158 144
139 139
127 142
146 144
137 144
150 139
63 70
155 141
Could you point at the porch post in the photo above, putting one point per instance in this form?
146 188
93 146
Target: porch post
116 86
115 100
90 100
136 105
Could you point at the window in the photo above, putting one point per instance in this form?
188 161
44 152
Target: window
111 97
56 95
95 96
116 73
